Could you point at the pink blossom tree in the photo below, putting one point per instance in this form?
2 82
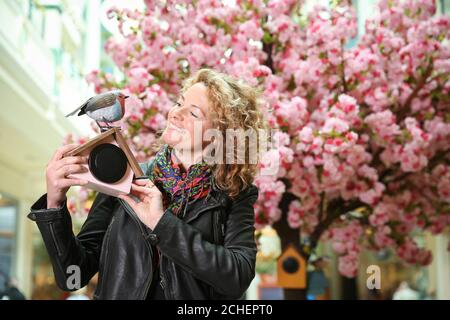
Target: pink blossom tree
363 131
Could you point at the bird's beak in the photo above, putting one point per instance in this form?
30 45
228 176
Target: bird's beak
126 97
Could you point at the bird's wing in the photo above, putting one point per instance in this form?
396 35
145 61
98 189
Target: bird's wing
101 101
79 108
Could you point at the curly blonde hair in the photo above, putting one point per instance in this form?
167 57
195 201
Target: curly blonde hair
234 105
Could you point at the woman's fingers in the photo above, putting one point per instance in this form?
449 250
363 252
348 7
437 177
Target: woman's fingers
64 149
140 188
128 200
141 196
142 182
145 183
71 168
137 188
70 160
146 197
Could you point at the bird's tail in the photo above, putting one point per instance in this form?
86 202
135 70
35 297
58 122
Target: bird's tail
80 109
72 113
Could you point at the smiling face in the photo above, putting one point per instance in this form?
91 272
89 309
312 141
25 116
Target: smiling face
191 112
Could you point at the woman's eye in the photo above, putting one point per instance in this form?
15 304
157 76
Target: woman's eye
177 104
194 114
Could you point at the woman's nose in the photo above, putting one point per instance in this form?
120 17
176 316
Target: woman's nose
176 115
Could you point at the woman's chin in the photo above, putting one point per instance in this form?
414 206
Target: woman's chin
171 138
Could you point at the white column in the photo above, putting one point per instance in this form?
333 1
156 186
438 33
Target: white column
13 183
24 262
366 9
92 48
442 262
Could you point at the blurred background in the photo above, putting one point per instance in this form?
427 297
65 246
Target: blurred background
46 49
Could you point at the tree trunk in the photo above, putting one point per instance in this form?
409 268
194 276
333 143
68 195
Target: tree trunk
288 236
349 289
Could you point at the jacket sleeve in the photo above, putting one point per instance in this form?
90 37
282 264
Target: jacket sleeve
230 267
67 251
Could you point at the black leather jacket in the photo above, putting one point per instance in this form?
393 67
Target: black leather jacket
209 254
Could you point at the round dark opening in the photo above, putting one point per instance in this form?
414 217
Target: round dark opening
290 265
108 163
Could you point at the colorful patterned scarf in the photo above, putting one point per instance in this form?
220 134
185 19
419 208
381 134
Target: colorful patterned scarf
179 188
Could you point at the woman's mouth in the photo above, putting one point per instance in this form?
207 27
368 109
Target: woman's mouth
174 127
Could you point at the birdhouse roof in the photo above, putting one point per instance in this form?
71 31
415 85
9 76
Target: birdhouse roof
291 250
120 141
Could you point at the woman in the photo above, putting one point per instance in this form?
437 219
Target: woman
185 233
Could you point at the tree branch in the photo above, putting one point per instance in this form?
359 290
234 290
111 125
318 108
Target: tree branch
335 209
321 209
437 77
344 82
405 109
437 158
267 48
387 178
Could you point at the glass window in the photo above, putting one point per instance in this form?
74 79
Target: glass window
8 225
445 5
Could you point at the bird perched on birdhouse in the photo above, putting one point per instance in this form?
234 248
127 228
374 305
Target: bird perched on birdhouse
105 107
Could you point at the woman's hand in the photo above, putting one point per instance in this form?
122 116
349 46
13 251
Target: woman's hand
56 175
150 208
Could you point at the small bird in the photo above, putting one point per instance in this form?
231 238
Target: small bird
105 107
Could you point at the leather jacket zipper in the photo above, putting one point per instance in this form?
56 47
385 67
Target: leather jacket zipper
164 281
217 237
216 227
58 248
52 232
105 259
137 221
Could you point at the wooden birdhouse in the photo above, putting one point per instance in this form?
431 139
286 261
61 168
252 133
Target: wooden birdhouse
291 269
111 164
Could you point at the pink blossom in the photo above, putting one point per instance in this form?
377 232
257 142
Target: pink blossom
348 265
371 196
382 239
384 125
336 125
139 78
295 214
411 253
251 30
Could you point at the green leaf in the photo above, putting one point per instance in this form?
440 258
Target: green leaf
447 117
429 115
267 38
